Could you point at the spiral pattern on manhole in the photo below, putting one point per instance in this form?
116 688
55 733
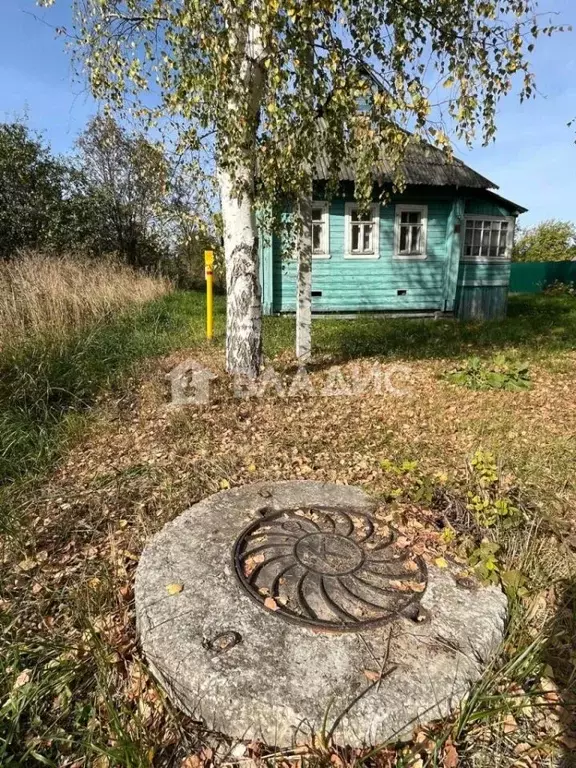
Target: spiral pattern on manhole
329 568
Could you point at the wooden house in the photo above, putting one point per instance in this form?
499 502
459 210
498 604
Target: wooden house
442 246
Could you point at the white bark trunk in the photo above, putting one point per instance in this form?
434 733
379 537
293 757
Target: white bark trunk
243 305
304 291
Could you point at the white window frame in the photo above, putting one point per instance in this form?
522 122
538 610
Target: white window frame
375 252
488 259
324 205
423 211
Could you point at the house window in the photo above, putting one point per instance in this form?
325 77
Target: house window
488 239
410 231
362 232
320 231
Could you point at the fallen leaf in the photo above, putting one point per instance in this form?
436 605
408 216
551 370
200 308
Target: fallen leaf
568 741
441 562
239 750
271 604
251 467
372 676
224 484
552 696
174 589
192 761
510 724
524 762
27 565
408 586
522 748
22 679
450 756
251 562
547 684
424 742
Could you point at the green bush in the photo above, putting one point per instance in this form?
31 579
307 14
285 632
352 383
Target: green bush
551 240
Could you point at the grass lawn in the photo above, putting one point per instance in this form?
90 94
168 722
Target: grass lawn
94 463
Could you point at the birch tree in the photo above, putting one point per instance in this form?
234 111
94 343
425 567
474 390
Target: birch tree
303 249
256 75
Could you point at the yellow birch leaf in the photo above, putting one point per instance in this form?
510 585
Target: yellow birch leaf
441 562
174 589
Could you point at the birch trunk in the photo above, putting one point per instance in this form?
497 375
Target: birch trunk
304 279
243 303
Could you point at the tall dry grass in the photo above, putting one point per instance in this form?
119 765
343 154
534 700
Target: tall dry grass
48 295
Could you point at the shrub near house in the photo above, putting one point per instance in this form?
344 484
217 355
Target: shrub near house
551 240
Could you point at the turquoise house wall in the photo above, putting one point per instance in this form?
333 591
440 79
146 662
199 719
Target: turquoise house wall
486 208
441 282
266 272
356 285
453 249
482 292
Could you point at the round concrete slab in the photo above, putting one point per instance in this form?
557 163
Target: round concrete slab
232 659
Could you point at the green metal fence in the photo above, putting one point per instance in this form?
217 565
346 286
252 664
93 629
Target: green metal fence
534 276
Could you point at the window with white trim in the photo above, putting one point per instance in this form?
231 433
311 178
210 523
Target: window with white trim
320 231
488 238
410 231
362 241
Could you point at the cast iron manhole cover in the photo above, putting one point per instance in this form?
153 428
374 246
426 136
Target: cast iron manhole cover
329 568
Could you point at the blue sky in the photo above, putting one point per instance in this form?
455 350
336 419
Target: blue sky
533 160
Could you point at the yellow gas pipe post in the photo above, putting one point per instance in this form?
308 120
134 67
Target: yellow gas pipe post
209 273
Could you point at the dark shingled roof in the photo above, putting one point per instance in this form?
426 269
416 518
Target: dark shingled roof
423 164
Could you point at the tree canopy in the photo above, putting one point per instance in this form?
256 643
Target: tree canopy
128 178
31 190
551 240
118 194
411 64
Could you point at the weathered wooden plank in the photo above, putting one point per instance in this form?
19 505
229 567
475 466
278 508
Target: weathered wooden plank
482 302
